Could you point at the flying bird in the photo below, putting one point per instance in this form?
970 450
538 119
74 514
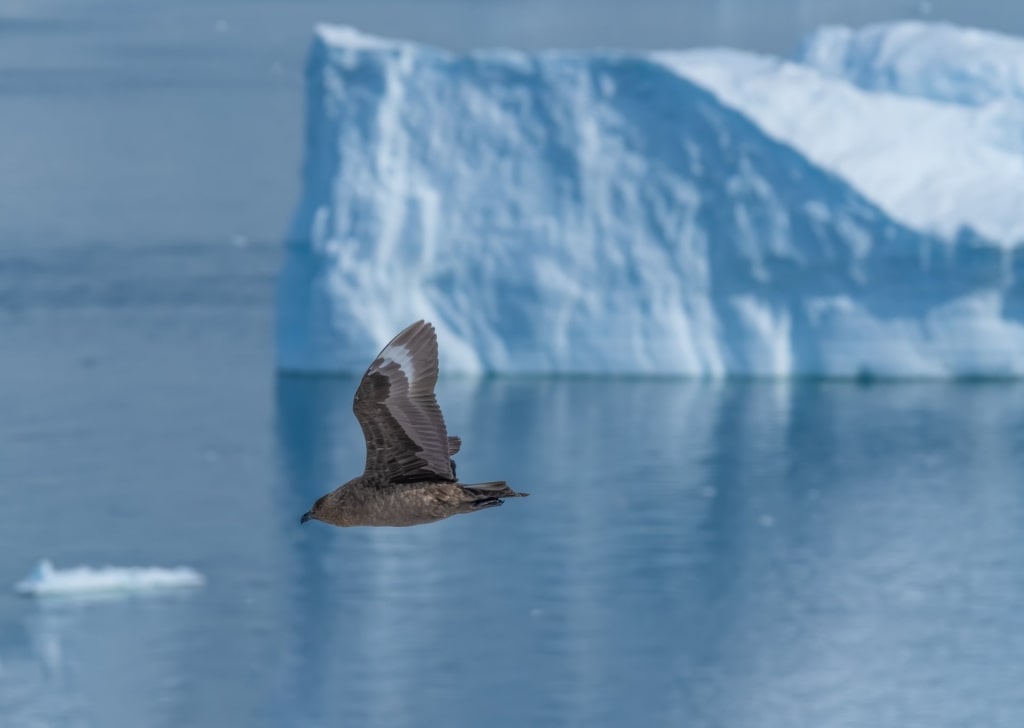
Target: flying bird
409 476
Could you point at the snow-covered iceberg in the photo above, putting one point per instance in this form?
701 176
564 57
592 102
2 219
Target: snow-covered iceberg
933 166
936 61
47 581
599 212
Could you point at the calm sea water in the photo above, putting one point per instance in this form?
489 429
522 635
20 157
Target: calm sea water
771 555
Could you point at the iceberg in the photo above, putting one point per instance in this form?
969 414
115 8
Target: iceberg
573 212
932 166
47 581
937 61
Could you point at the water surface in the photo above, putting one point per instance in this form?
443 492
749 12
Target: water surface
762 555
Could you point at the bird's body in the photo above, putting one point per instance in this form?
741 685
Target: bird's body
370 502
409 478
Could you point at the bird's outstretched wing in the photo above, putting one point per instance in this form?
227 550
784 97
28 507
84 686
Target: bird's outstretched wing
406 440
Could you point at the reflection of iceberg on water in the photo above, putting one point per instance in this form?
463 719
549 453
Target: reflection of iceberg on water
46 581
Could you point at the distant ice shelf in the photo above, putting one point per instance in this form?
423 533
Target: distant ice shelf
931 60
936 167
614 213
48 581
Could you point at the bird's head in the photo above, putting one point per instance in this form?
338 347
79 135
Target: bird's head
314 513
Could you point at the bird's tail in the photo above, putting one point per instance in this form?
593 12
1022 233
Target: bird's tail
495 490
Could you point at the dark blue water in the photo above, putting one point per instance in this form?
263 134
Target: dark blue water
766 554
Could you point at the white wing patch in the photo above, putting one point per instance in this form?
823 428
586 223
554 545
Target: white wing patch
398 354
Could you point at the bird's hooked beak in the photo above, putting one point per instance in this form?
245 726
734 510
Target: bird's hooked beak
307 516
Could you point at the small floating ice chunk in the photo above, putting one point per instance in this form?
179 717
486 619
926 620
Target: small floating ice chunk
45 580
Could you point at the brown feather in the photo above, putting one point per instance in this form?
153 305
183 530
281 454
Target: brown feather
409 477
406 439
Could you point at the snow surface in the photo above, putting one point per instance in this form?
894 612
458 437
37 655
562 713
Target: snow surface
932 60
933 166
599 212
46 581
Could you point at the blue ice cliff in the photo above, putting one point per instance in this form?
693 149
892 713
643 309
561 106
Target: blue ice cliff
606 213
